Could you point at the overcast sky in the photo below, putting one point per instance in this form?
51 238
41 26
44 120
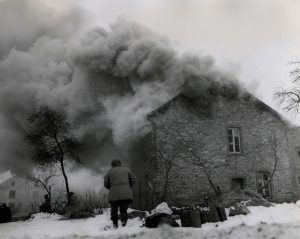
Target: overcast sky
254 38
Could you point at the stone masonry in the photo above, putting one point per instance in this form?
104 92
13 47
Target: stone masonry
204 129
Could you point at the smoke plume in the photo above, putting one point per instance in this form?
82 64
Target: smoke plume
105 79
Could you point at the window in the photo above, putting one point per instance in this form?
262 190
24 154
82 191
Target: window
264 185
237 184
12 194
13 183
11 205
36 184
234 140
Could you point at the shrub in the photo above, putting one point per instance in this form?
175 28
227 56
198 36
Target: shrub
84 205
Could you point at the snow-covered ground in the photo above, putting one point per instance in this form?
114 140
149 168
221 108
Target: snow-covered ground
281 221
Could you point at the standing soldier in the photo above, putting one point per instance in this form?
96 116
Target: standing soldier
119 180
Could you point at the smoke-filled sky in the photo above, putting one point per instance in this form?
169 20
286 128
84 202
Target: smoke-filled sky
107 63
255 38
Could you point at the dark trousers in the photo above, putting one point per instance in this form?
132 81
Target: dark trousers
123 206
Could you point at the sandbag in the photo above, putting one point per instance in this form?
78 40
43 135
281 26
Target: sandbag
190 218
222 213
238 209
158 219
210 215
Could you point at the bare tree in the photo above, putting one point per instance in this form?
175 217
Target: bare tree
185 142
208 166
290 98
274 144
168 163
52 142
164 153
43 175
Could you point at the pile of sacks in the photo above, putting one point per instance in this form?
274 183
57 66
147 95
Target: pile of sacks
161 215
188 216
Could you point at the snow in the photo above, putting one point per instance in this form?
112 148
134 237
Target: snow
281 222
162 208
40 216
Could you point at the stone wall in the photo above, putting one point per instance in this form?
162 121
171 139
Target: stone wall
204 128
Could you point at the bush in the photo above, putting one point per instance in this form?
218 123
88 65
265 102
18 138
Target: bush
87 204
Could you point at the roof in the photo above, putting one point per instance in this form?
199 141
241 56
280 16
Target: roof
246 97
5 176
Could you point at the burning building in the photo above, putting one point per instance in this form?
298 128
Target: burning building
108 79
241 142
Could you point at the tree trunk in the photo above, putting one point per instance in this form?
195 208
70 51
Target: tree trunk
216 190
66 182
50 194
166 186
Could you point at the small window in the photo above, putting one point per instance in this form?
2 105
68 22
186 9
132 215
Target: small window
13 183
12 194
237 184
264 185
234 140
36 184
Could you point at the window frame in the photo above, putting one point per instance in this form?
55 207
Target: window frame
258 180
244 186
12 194
233 144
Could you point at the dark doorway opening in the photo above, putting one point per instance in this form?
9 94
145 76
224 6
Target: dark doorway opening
237 184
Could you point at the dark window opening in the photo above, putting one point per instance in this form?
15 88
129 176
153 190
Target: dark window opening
12 194
264 186
237 184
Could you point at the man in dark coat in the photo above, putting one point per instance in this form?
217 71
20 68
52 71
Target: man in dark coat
119 180
5 213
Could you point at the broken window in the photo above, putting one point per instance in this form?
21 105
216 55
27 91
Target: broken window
237 184
12 194
264 185
234 140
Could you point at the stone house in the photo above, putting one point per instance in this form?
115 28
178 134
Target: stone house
20 194
240 139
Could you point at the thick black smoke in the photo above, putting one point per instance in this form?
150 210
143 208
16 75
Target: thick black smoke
106 80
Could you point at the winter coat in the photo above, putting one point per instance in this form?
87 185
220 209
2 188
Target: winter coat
119 181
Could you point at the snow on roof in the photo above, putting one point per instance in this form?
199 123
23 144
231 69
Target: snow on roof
5 176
